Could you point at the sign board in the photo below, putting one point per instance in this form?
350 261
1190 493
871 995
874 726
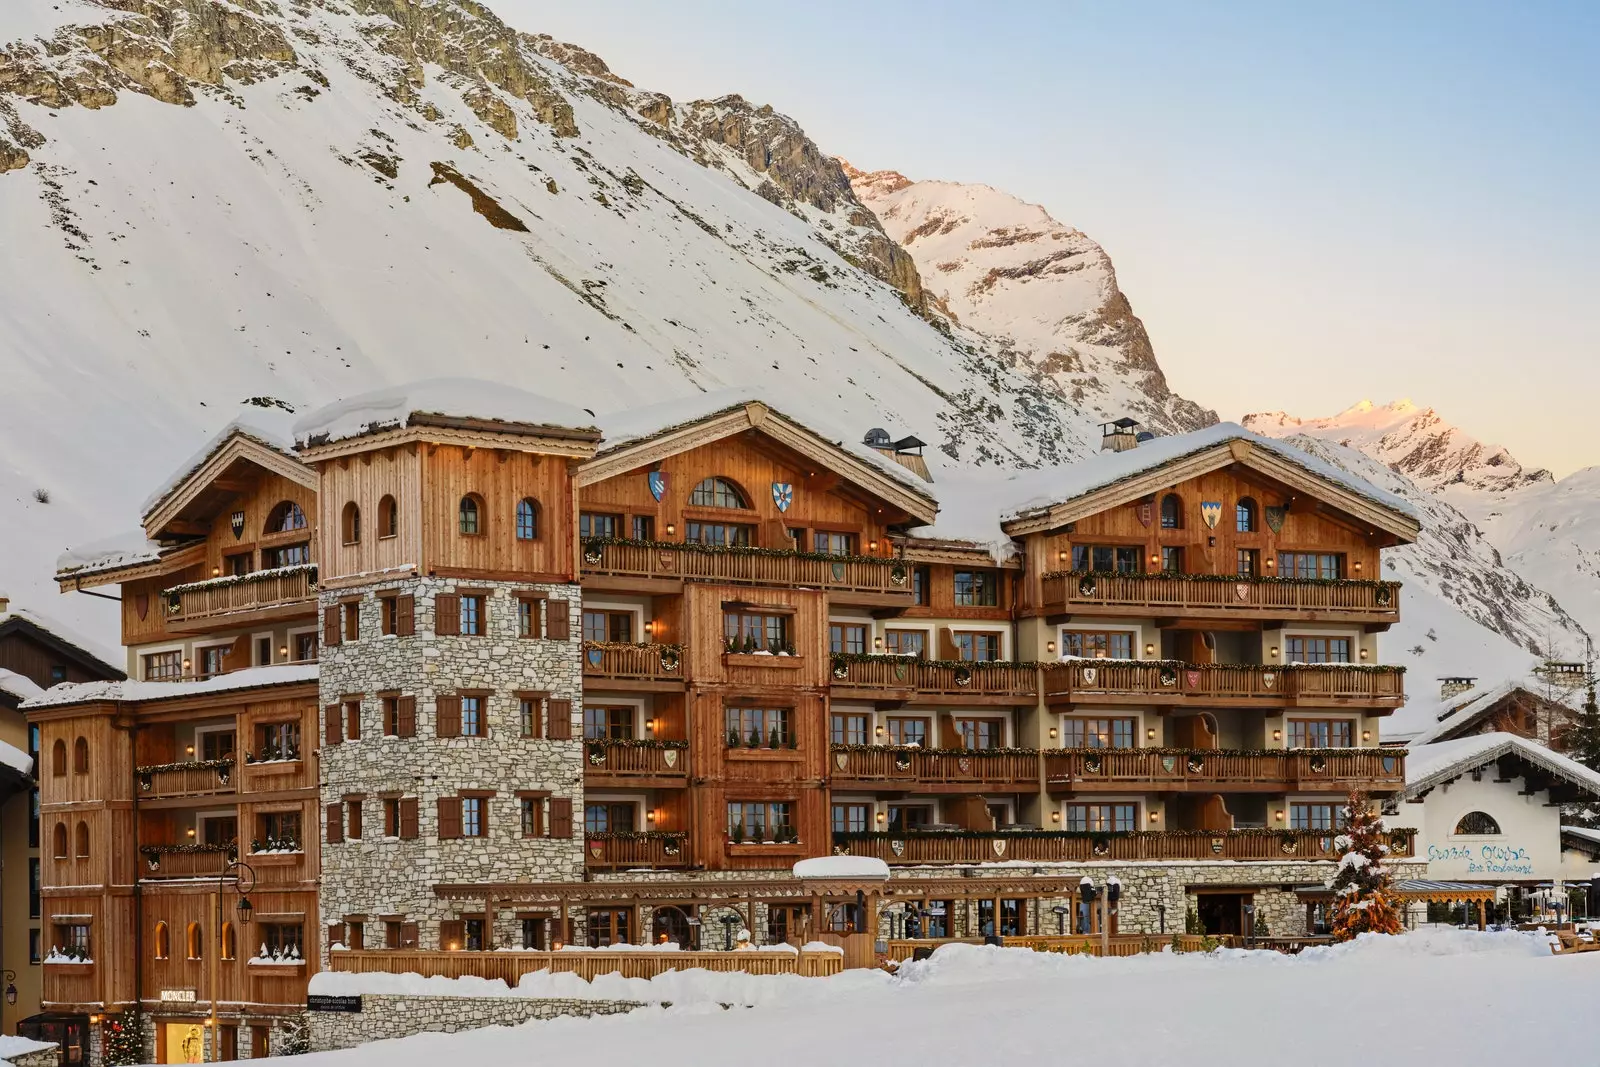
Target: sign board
314 1002
177 996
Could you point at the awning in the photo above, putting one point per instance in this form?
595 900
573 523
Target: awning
1414 889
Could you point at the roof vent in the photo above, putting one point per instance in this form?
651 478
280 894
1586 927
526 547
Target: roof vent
1119 436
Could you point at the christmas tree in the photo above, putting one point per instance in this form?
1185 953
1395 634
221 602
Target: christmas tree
122 1041
1363 901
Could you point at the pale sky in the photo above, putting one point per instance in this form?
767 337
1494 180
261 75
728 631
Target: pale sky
1308 205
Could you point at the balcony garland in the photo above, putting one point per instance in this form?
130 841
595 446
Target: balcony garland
937 751
1260 579
636 835
635 742
152 853
844 659
223 767
592 553
309 569
1100 840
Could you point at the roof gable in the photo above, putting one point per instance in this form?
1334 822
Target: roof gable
238 444
87 654
1430 766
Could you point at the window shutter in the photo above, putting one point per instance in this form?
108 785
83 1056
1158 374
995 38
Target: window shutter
353 726
560 816
947 644
358 937
332 629
336 933
447 716
408 820
449 818
558 624
559 724
452 934
405 615
406 717
331 733
335 823
447 614
408 935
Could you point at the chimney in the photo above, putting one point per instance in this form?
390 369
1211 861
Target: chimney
1453 686
907 451
1119 436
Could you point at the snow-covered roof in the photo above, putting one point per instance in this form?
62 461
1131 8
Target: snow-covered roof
130 691
18 760
108 554
107 656
842 867
1583 833
457 398
1425 719
15 1045
269 426
18 686
1430 765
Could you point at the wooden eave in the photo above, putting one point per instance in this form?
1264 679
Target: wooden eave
179 705
466 433
177 559
960 553
239 446
62 647
1369 513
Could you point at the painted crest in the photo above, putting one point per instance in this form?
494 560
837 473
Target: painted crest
999 846
901 671
1211 512
1390 764
841 760
669 756
1217 845
837 570
783 495
1090 674
897 847
141 604
1275 517
1289 845
1146 512
594 656
964 764
236 520
1241 590
1269 679
658 483
1169 764
597 849
1191 679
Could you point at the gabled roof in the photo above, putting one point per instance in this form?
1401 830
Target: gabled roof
1429 766
15 688
131 691
1448 717
65 642
257 435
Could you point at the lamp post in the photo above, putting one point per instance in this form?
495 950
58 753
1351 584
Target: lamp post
728 923
1161 915
244 880
1061 918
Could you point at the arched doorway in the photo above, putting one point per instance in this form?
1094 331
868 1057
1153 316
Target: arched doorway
670 923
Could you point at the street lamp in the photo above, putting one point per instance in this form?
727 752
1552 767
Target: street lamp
728 923
10 977
244 880
1061 918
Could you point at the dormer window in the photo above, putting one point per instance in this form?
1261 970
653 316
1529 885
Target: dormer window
286 517
350 524
1171 512
469 520
717 493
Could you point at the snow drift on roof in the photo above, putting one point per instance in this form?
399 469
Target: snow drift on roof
1423 721
1583 832
18 760
66 635
249 678
19 685
108 554
267 426
461 398
850 867
1428 765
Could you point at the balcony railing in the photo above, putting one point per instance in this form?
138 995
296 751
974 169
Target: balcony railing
509 967
1167 768
195 778
624 759
1167 681
932 766
746 566
653 848
184 861
1080 592
630 662
247 592
1065 847
938 678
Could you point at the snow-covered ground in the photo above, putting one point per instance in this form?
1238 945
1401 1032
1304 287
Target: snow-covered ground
1440 996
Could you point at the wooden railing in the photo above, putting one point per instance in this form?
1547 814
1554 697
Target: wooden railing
1048 847
620 759
222 596
873 763
1319 769
156 862
1171 682
1020 680
509 967
1069 944
186 779
1075 592
654 848
653 559
647 662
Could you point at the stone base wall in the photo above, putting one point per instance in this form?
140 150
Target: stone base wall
385 1016
45 1057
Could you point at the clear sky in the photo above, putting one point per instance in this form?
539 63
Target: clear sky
1308 204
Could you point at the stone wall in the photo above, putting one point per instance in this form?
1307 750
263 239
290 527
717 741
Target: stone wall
388 1015
44 1057
379 875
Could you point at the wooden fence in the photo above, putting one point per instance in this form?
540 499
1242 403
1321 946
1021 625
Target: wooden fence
636 662
978 847
932 765
1218 767
860 574
247 593
618 759
659 848
1080 593
186 780
509 967
1071 944
1019 680
1170 683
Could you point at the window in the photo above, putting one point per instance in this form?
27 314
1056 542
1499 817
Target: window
717 493
73 939
527 617
80 756
528 711
277 741
230 948
598 525
35 945
644 528
163 666
533 939
973 645
469 516
282 939
1097 733
922 585
613 724
35 894
285 518
263 651
1244 515
1247 562
393 934
473 812
608 926
58 758
759 820
977 589
615 626
908 732
194 941
909 816
906 643
305 647
533 817
847 728
391 816
758 727
33 817
350 523
1321 733
726 534
388 518
81 840
161 943
982 733
1171 559
1171 512
1101 818
1311 565
472 724
216 744
1118 559
296 555
851 818
847 637
1317 649
219 829
1477 823
277 831
59 839
212 659
237 564
527 519
749 631
1097 644
1315 816
350 615
474 620
832 543
608 818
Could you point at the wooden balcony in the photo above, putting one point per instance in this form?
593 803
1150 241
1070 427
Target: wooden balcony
624 850
663 764
657 566
889 680
643 668
1165 682
1062 847
1090 770
959 770
182 861
1221 596
284 592
195 779
509 967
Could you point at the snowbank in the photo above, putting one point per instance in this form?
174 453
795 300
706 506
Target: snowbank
857 867
249 678
268 426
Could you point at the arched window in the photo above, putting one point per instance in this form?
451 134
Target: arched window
80 756
470 520
1171 512
1244 515
388 518
527 519
717 493
58 758
350 524
1477 822
194 941
60 841
162 941
285 517
82 835
227 941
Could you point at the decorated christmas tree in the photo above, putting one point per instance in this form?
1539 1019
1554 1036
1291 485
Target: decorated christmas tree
122 1044
1363 901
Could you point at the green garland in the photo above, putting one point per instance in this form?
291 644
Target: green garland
590 543
634 742
198 765
166 850
637 835
1262 579
1233 751
841 659
843 836
936 751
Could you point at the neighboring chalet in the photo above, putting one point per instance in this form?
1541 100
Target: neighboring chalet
456 668
1466 707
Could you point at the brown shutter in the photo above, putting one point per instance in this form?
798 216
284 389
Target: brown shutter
405 615
336 933
447 716
408 935
335 823
408 820
560 817
406 717
449 818
358 936
447 614
558 726
353 725
947 644
331 733
452 933
332 629
558 624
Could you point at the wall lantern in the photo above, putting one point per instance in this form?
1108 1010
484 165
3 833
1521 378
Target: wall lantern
872 545
880 816
1363 653
671 529
650 816
187 664
1277 735
1155 559
1150 733
1274 651
1050 647
1358 566
215 571
1272 561
1154 816
1366 735
878 730
1149 649
1055 816
283 651
1278 814
1053 732
877 643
